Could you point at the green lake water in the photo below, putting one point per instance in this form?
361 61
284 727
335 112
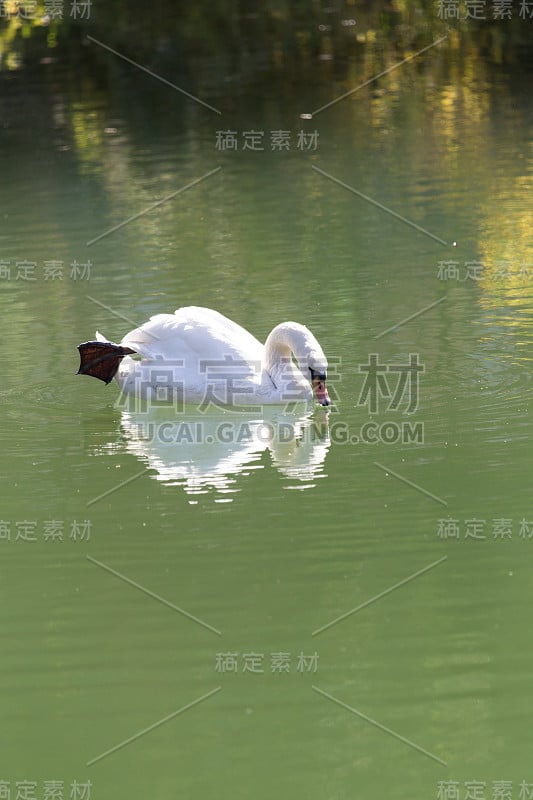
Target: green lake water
140 578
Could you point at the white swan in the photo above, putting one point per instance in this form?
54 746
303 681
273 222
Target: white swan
199 356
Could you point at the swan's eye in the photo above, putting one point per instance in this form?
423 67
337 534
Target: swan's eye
317 376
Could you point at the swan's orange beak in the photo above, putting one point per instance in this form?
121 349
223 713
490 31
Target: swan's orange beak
319 388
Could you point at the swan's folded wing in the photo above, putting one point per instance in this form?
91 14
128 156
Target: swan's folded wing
196 335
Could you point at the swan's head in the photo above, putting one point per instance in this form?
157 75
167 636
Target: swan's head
318 382
291 337
312 362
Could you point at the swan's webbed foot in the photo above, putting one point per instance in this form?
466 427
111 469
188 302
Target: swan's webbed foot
101 359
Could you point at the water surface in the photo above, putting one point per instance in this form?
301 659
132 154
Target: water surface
265 542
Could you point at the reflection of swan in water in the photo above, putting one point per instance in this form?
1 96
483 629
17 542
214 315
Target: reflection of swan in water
204 451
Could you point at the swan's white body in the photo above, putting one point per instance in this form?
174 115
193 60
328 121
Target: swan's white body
204 357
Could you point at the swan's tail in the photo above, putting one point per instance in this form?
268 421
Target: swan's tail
101 359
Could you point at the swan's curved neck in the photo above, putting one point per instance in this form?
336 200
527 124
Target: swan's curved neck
284 340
